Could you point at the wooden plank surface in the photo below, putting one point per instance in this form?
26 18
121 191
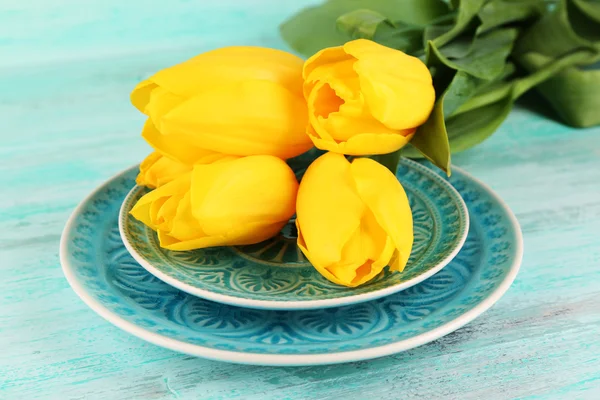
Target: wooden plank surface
66 70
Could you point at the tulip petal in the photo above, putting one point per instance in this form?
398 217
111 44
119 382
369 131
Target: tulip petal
161 102
242 235
315 127
402 104
162 211
144 177
363 144
346 273
333 118
399 97
171 243
381 258
349 272
328 209
325 101
352 120
325 60
388 59
232 64
140 96
396 262
365 273
231 196
148 214
386 257
355 275
314 261
156 170
384 196
246 118
373 237
341 75
183 224
364 252
177 147
147 207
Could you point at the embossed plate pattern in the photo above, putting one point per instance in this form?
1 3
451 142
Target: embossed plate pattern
113 284
275 274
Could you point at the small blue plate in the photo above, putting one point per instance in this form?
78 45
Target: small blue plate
108 279
275 274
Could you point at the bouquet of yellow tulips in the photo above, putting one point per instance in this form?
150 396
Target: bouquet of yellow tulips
223 124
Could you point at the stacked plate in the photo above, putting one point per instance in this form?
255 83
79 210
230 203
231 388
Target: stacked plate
265 304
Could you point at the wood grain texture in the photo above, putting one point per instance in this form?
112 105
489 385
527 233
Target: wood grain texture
66 70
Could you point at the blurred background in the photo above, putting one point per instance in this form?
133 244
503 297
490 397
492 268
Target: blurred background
67 68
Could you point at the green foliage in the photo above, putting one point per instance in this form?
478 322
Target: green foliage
483 55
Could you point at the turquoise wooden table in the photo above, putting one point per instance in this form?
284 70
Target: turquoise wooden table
66 70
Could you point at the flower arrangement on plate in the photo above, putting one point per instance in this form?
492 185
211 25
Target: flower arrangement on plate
223 124
276 197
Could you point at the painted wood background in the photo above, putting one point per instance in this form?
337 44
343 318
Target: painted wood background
66 125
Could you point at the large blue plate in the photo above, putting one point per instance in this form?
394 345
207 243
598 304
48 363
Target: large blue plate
112 283
275 274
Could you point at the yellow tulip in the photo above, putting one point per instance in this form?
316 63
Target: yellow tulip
234 100
353 219
365 98
156 170
233 201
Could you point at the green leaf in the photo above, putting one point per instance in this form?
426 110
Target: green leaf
497 13
360 23
400 36
544 71
583 16
478 118
390 160
497 90
462 88
487 56
574 92
437 138
368 24
470 128
590 8
555 48
442 73
489 95
461 78
489 91
462 131
314 28
434 31
553 35
467 10
431 139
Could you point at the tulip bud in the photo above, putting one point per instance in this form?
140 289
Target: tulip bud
365 98
353 219
234 100
229 202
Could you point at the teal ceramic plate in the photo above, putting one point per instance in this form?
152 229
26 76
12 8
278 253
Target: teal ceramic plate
275 274
112 283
